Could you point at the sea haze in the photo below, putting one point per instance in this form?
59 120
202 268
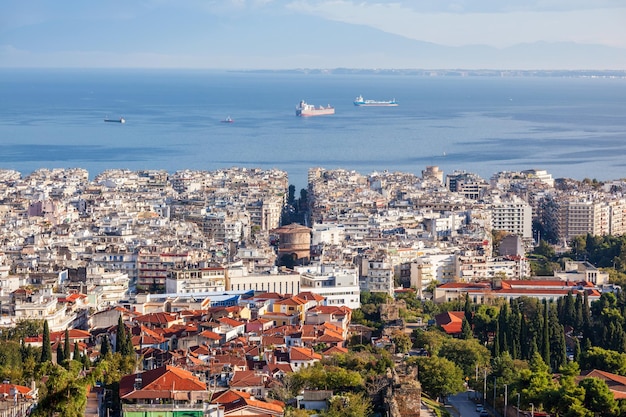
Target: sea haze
572 127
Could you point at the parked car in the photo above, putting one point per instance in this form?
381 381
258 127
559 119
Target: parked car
484 413
479 408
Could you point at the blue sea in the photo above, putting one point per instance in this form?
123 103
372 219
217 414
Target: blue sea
572 127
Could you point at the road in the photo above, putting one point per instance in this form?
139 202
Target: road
464 404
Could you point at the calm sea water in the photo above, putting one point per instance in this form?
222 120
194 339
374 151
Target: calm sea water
573 127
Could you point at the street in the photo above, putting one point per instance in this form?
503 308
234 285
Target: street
464 404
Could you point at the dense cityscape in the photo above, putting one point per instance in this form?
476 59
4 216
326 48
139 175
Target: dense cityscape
226 292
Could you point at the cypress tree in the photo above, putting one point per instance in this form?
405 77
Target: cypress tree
120 337
466 330
525 348
60 353
495 350
46 348
569 313
105 347
587 329
468 310
576 350
578 313
533 347
67 354
127 347
545 342
503 321
558 348
76 355
515 330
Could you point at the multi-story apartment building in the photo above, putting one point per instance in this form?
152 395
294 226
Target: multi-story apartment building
195 280
377 276
226 227
339 285
281 282
117 259
471 186
572 217
265 213
512 215
153 266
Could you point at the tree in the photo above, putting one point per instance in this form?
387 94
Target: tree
349 405
468 310
431 340
291 195
545 340
438 376
120 336
545 249
485 320
467 354
67 354
558 348
598 397
60 353
402 341
105 346
64 393
466 330
536 381
604 360
46 347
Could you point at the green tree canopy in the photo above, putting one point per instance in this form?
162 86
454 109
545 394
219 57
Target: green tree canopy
438 376
604 360
46 347
598 397
432 340
467 354
349 405
536 381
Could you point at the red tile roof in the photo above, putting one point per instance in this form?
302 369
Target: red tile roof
235 402
163 382
303 354
451 321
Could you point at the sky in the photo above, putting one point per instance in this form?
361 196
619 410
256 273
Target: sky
279 34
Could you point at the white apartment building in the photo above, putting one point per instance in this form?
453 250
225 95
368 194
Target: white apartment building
224 227
512 215
437 267
122 261
617 222
39 307
356 225
239 279
339 285
106 288
584 216
196 280
266 212
444 225
328 233
377 276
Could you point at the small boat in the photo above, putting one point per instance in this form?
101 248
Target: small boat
120 120
228 120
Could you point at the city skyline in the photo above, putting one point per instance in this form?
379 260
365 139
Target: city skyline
309 33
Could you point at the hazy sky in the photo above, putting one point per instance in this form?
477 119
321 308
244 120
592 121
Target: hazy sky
248 33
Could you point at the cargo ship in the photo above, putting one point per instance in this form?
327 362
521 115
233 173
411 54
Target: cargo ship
359 101
303 109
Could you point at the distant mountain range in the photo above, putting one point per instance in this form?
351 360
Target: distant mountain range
175 39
